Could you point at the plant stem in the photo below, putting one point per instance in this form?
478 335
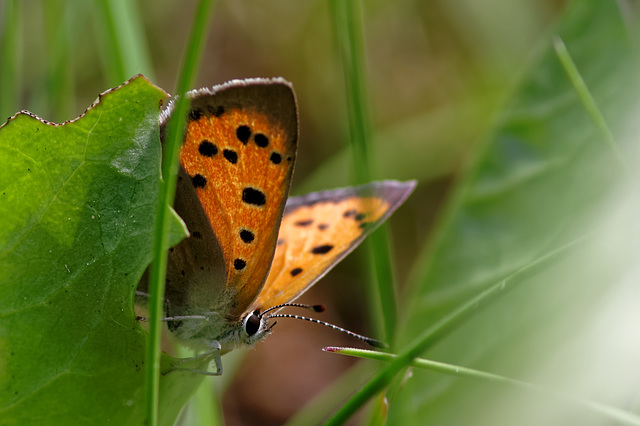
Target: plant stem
175 136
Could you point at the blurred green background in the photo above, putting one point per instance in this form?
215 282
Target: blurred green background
454 87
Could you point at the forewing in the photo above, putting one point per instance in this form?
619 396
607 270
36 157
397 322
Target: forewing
238 158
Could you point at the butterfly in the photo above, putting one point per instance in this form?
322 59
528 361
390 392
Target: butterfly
252 249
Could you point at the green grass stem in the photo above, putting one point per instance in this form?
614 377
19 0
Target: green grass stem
10 46
587 100
349 30
126 52
175 135
58 94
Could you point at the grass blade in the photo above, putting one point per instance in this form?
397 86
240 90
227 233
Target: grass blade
349 31
587 99
126 52
9 57
58 94
175 135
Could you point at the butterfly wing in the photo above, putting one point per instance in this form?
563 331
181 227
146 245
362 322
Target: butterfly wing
236 166
320 229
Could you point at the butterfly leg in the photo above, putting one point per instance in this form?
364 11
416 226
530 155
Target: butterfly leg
142 294
213 354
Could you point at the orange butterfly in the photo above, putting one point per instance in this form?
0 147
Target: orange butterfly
251 248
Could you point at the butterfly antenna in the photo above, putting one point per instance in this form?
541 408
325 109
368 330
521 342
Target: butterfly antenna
314 308
368 340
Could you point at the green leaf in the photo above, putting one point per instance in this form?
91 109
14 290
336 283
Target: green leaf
547 177
77 203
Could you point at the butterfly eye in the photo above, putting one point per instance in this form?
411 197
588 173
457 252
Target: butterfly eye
253 323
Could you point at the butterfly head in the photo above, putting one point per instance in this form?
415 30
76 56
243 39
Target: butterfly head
250 329
255 328
202 332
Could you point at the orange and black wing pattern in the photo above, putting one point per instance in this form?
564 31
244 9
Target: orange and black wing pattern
238 156
320 229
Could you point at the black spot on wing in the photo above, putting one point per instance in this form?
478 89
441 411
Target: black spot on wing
195 114
199 181
207 148
261 140
230 155
275 158
254 196
243 133
239 264
216 111
350 213
323 249
247 236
